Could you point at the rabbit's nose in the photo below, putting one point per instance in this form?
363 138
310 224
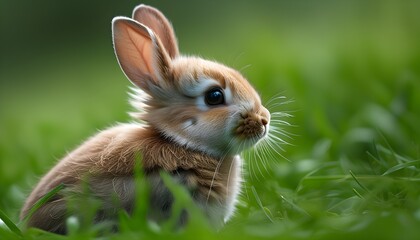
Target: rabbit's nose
264 116
264 121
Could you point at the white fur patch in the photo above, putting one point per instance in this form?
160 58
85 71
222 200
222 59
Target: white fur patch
234 187
187 124
228 95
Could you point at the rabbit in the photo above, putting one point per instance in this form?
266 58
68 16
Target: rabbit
193 119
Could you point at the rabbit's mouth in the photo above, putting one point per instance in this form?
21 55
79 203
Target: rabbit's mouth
252 126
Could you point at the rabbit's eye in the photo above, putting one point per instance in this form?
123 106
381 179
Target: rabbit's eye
214 96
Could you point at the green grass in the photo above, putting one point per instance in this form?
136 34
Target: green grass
351 72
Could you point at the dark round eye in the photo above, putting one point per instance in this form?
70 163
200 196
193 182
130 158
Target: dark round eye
214 96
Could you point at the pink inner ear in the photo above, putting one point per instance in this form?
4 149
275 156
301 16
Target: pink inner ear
135 51
155 20
142 54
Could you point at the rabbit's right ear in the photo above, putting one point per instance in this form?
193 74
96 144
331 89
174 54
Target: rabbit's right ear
140 53
155 20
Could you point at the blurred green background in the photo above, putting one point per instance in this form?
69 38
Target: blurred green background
351 69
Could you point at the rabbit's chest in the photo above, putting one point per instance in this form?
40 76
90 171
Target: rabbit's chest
220 208
214 190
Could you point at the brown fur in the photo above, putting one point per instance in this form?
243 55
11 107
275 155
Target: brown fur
112 154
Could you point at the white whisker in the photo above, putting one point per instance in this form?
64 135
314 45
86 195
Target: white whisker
212 180
278 139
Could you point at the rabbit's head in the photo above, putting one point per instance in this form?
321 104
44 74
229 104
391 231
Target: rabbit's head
199 104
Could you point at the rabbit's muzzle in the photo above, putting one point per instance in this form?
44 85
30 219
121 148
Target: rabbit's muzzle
252 125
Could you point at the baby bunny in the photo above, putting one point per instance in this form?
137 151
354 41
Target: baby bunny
194 119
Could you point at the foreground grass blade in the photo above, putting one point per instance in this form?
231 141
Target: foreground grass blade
42 201
183 202
9 223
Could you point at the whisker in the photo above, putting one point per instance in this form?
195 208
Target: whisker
230 167
265 153
258 166
244 67
280 122
212 180
228 149
262 160
281 114
279 139
276 151
277 104
275 99
280 131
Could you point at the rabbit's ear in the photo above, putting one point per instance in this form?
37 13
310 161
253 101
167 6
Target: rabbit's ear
155 20
140 53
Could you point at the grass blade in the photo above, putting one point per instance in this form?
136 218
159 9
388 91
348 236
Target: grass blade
260 204
401 166
43 200
358 182
9 223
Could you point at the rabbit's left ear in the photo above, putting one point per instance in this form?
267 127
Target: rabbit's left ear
155 20
140 54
